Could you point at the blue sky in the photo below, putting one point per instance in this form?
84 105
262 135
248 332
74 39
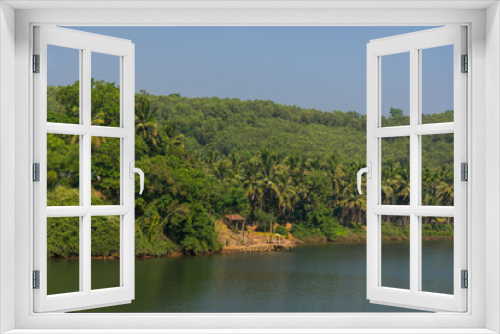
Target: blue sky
311 67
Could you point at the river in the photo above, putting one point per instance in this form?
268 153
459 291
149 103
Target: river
324 278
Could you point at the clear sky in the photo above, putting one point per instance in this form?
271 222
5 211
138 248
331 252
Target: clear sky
311 67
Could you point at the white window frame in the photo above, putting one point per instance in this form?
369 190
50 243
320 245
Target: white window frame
482 19
413 44
85 44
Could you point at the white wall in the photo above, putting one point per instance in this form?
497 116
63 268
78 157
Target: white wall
7 164
220 17
492 165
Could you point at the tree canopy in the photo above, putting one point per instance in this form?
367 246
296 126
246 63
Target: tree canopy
208 157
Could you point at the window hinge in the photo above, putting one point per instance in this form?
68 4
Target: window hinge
465 64
36 279
36 63
465 279
36 172
464 171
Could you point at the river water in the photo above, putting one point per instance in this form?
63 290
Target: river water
325 278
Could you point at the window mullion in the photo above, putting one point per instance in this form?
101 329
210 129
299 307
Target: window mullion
421 129
102 131
82 182
85 185
433 129
414 170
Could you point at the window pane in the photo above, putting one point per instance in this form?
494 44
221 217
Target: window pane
437 84
63 250
63 85
437 170
105 252
105 171
63 170
395 89
395 252
105 90
396 171
437 254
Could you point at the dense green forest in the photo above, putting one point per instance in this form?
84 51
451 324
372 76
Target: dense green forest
207 157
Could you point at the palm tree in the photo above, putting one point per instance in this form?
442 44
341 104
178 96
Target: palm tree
303 192
313 164
445 194
268 180
212 157
222 170
145 125
338 179
235 163
251 184
293 163
266 163
404 192
353 205
288 193
169 137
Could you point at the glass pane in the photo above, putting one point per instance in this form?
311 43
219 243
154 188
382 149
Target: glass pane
395 252
105 90
437 170
105 171
395 89
63 170
63 249
396 171
437 254
105 264
63 85
437 84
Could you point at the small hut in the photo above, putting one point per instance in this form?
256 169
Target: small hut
235 220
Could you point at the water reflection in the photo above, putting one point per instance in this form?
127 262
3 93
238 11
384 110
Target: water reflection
328 278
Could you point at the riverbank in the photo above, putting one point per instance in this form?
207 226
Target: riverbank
265 247
250 241
257 249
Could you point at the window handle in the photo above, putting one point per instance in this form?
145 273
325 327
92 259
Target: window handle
368 171
134 170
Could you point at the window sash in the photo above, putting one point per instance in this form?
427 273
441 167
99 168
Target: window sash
86 297
413 43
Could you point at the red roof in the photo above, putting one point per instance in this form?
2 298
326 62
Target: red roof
234 217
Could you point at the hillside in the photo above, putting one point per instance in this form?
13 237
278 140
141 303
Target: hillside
247 127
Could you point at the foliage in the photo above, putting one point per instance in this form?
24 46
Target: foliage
265 220
208 157
63 236
105 236
281 230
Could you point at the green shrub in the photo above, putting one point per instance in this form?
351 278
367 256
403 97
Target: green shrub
281 230
264 220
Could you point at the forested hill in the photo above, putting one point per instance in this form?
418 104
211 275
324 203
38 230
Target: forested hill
247 127
225 126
